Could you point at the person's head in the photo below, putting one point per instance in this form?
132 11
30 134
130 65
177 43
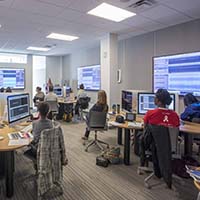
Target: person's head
81 86
189 99
2 89
102 97
8 89
38 89
162 98
43 109
51 88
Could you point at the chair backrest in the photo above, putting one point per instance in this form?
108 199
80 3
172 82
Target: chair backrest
50 156
53 105
97 120
84 102
174 133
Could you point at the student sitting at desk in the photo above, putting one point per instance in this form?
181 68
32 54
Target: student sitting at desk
81 93
100 106
39 96
51 96
38 127
192 108
162 115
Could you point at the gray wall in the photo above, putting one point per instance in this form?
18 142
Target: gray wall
135 56
77 59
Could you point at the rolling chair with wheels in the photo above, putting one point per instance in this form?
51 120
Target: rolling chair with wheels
97 122
53 109
161 136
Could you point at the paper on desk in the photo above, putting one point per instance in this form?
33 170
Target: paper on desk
18 142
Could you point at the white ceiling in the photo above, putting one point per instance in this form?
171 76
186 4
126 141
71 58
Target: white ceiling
28 22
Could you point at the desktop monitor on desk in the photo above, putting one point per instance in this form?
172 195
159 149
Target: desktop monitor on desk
18 107
58 91
127 101
146 102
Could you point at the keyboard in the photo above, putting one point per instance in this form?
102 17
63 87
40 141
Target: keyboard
27 129
135 124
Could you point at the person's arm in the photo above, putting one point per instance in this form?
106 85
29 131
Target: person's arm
186 115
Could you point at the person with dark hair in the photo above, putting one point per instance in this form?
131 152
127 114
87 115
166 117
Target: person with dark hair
39 96
192 108
162 115
38 127
8 89
81 94
100 106
2 90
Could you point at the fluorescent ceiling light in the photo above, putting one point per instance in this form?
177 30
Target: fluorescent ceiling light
58 36
38 48
110 12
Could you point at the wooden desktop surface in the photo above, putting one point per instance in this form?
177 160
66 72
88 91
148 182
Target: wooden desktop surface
4 143
190 128
63 100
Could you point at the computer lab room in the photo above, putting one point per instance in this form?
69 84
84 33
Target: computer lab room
100 99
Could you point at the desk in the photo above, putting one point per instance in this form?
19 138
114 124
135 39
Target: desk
189 129
8 152
126 139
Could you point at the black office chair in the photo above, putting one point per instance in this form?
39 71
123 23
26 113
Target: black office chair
196 139
97 123
83 104
160 137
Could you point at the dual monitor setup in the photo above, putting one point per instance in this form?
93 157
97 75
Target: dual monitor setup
62 91
141 101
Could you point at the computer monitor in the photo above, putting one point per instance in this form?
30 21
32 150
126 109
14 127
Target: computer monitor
18 107
68 90
58 91
127 101
146 102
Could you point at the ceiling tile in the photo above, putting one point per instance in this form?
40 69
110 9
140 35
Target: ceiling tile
189 7
6 3
37 7
69 15
57 2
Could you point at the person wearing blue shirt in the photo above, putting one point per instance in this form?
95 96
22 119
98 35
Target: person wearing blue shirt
192 108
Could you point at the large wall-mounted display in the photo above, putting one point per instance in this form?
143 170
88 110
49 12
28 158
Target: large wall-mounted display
90 76
12 77
179 73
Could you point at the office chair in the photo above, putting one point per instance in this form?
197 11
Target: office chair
173 148
83 104
97 123
196 138
50 159
53 108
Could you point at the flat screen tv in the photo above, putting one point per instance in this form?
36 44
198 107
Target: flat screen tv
90 76
12 77
180 73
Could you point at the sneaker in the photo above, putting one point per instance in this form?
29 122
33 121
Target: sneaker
84 138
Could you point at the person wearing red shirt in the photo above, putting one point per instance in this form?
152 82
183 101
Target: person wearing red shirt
162 115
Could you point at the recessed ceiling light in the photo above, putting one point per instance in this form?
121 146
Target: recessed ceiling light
110 12
38 48
58 36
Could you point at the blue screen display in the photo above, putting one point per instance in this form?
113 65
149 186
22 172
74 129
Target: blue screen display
13 78
178 73
90 76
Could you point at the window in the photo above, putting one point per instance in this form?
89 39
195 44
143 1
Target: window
13 58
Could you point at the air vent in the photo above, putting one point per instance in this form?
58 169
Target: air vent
142 4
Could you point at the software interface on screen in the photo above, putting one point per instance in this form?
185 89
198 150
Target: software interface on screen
146 102
13 78
90 76
127 101
178 73
58 91
18 107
